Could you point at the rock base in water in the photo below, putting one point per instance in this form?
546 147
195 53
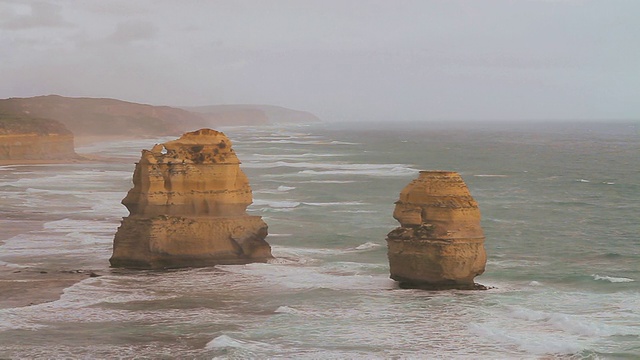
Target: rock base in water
434 287
440 244
173 242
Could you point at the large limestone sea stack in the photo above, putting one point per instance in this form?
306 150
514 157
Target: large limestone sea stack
440 244
188 208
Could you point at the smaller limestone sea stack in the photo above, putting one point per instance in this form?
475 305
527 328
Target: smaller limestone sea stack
188 208
440 244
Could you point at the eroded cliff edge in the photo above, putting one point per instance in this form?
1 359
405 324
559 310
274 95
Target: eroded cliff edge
27 138
188 208
440 243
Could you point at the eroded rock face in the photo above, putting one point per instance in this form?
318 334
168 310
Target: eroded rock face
440 244
26 138
188 208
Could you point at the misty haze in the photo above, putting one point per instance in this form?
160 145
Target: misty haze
305 179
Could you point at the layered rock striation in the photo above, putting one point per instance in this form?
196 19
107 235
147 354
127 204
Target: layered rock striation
27 138
188 208
440 243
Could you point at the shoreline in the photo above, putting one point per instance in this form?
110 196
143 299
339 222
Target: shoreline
27 286
24 285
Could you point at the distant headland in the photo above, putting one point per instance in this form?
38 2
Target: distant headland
57 119
102 116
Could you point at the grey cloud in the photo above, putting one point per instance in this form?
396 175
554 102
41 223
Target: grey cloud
422 59
38 15
116 7
131 31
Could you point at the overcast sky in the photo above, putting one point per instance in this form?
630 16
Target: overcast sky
340 59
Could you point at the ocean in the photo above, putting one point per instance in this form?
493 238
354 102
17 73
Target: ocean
560 207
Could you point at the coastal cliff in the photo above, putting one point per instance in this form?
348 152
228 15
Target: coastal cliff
112 117
440 244
188 208
26 138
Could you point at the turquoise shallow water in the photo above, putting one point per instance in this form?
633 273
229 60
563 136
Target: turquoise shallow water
560 206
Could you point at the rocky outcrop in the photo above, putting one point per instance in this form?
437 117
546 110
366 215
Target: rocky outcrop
26 138
440 244
188 208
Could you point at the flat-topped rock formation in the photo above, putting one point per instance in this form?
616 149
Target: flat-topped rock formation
188 208
27 138
440 244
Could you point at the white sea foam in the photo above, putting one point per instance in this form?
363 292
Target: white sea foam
276 204
568 323
311 277
281 157
347 268
583 180
266 191
368 246
85 179
279 235
287 310
107 204
331 166
335 142
277 210
121 289
287 141
359 211
246 348
381 172
328 181
85 226
224 341
33 191
291 261
530 342
13 320
64 237
611 279
283 188
11 265
296 252
336 203
516 263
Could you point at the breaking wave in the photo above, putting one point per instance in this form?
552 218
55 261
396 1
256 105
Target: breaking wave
611 279
381 172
